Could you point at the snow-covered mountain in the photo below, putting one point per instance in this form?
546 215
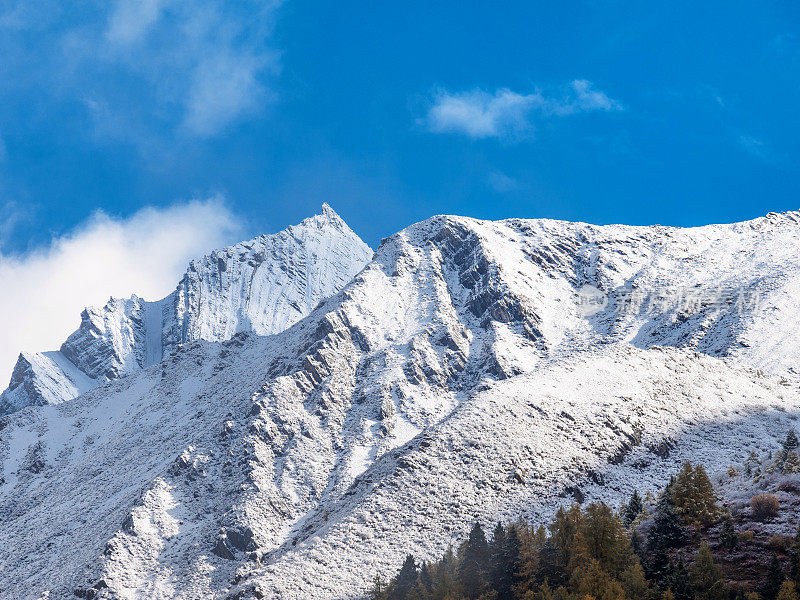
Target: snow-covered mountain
262 286
462 374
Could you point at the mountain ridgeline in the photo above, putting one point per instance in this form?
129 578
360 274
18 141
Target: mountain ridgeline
308 413
262 286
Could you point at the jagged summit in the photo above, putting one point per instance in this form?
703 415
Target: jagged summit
262 285
457 377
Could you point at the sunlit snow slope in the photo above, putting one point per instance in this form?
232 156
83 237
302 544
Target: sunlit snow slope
455 378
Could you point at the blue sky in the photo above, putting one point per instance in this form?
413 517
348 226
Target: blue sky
278 107
137 134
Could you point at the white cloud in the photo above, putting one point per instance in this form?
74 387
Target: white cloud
480 114
45 290
155 68
209 58
223 89
131 19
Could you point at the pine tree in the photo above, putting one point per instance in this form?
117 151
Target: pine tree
678 581
791 442
634 582
773 580
706 576
791 463
405 580
497 564
752 465
667 531
591 581
425 580
445 580
693 496
727 535
512 553
633 509
473 571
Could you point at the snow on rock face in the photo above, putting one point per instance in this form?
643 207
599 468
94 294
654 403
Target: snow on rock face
454 378
264 285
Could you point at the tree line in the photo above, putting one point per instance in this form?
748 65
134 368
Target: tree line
597 553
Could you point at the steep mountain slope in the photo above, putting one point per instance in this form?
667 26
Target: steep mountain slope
264 285
457 376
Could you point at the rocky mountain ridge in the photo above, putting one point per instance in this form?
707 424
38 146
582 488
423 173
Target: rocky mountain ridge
458 376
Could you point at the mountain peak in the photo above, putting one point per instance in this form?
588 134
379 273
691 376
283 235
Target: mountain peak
264 286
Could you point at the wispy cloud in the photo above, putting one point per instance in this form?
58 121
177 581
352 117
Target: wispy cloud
46 289
189 67
758 148
480 114
501 183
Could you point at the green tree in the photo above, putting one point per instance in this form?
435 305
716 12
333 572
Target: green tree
706 576
497 559
693 496
632 509
773 580
473 571
445 580
678 581
791 442
727 535
405 580
667 531
511 553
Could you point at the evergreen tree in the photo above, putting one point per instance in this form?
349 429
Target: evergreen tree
497 565
693 496
473 571
791 463
678 581
632 510
657 566
791 442
634 582
706 576
773 580
445 581
752 466
727 535
592 581
405 580
511 578
667 531
425 580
